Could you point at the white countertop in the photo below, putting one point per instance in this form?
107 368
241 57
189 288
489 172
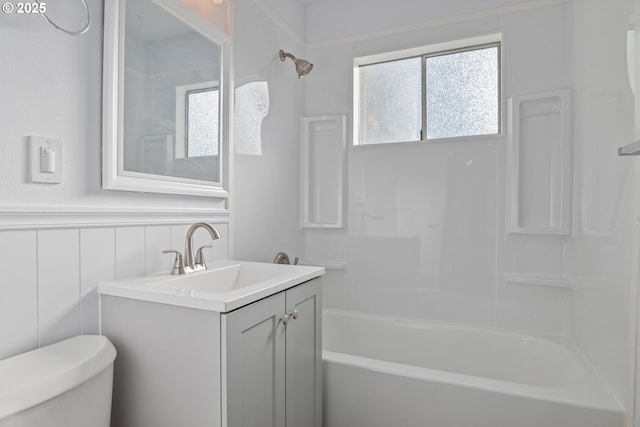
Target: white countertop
224 286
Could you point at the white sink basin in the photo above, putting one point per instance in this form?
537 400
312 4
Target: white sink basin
224 286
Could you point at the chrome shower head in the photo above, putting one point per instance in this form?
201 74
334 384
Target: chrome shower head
303 67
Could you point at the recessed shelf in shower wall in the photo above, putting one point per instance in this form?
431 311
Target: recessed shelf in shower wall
632 149
539 164
322 170
561 282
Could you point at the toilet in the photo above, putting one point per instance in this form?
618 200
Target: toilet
68 383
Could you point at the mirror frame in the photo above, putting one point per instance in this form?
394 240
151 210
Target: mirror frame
113 175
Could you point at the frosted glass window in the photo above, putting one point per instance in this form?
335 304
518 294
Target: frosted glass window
391 101
438 95
202 122
462 94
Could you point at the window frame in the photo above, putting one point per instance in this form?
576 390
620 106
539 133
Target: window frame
425 52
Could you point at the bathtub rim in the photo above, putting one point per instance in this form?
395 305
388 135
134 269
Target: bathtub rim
420 322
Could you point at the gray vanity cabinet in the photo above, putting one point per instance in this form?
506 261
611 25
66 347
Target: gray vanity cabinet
273 360
179 365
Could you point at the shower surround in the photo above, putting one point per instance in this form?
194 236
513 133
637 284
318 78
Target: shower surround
426 233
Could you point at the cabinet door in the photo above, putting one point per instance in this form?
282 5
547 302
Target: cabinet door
255 362
304 355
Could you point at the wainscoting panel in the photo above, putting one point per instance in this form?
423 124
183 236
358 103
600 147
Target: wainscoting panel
18 292
158 236
177 236
97 262
48 289
58 284
130 252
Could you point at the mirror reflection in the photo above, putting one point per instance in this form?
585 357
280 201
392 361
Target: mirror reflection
171 99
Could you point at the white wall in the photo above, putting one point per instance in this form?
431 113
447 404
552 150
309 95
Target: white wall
52 86
58 241
332 21
266 190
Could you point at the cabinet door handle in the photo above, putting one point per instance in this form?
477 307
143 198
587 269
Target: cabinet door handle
285 319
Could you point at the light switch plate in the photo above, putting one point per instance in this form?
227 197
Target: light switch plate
38 144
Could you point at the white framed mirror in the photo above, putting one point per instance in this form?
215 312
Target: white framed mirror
165 104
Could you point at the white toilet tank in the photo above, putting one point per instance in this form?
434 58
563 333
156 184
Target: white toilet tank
64 384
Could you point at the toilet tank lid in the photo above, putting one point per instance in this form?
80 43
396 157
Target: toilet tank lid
34 377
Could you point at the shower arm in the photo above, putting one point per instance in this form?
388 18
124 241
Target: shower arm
284 55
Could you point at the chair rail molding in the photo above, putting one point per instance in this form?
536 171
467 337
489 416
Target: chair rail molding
16 217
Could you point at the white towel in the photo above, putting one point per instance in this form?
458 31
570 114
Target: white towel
251 106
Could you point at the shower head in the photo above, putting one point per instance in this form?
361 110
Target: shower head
303 67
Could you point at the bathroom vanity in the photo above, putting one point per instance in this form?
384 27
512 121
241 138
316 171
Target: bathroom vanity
238 345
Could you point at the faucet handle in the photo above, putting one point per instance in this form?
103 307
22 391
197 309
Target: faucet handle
200 257
178 264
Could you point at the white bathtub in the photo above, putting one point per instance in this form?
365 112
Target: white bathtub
383 372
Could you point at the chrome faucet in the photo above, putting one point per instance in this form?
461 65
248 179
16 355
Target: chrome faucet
190 263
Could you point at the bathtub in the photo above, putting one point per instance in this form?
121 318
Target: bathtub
383 372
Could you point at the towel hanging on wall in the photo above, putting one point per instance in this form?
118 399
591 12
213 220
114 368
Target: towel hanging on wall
251 106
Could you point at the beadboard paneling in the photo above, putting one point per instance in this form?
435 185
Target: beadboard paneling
130 252
18 293
58 284
220 249
50 275
157 239
97 263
